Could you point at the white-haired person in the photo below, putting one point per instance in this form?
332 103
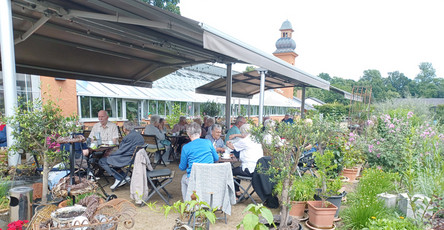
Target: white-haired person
155 128
249 153
122 156
197 151
215 138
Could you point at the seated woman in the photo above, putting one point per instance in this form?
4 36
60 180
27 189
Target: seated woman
197 151
250 152
155 128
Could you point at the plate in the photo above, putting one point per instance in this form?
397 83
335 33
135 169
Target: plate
307 223
226 158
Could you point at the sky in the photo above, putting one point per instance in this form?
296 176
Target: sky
341 37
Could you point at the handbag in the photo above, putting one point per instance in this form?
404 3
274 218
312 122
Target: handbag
165 142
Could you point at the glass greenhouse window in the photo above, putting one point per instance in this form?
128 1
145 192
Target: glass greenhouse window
96 105
85 107
153 107
161 108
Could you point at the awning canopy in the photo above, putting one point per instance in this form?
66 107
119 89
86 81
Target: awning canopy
247 84
114 41
126 42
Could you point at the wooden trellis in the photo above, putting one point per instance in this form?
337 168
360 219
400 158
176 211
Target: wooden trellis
359 106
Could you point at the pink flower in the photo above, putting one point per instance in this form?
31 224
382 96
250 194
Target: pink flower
370 148
409 114
370 122
391 126
378 155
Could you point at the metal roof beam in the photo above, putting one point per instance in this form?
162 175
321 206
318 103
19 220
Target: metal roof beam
119 19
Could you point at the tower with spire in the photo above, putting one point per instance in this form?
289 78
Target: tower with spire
285 47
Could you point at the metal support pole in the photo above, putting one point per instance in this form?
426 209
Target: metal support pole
228 96
262 72
8 71
303 103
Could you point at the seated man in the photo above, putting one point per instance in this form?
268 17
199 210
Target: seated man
154 128
214 137
107 131
122 156
250 152
197 151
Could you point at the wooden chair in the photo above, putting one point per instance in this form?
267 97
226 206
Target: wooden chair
151 140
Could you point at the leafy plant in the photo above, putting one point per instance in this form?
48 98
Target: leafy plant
303 189
363 204
391 223
35 127
175 115
210 108
4 189
251 221
200 209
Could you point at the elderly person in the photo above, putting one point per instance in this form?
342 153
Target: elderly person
181 126
106 130
250 152
122 156
214 137
235 131
155 128
197 151
287 119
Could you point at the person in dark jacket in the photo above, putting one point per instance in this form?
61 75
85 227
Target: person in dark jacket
122 156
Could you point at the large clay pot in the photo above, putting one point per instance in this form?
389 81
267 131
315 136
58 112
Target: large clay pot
319 215
297 209
351 173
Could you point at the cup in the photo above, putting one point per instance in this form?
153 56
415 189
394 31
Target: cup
93 144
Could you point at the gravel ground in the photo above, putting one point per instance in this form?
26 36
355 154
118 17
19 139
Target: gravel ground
147 218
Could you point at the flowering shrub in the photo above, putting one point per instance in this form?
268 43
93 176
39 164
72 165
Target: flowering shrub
17 225
387 142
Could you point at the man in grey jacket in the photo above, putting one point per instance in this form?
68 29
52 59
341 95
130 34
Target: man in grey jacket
122 156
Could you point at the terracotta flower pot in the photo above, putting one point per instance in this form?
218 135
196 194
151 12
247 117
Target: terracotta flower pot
297 209
320 216
350 173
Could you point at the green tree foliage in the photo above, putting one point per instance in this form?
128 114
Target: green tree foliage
35 127
210 108
170 5
395 85
335 111
249 68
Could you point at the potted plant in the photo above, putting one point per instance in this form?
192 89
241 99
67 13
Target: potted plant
352 156
198 212
303 190
288 142
35 127
252 220
327 198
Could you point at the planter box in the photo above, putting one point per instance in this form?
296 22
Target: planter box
351 173
389 199
297 209
320 216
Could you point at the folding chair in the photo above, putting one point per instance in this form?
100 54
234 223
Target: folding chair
213 184
151 140
127 169
245 191
158 179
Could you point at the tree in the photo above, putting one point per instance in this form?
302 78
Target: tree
400 83
170 5
35 127
425 80
249 68
210 108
